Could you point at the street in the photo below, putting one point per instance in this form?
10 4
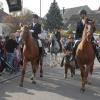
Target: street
53 86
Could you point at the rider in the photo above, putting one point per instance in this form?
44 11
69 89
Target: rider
79 32
35 29
58 37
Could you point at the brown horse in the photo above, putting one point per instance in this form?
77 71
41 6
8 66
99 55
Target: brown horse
67 63
30 53
85 54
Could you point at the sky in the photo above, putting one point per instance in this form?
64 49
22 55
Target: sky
34 5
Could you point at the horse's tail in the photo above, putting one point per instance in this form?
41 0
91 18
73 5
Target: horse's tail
62 62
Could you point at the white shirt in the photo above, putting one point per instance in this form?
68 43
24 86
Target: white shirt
34 24
83 21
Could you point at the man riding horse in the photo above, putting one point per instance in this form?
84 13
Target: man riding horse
57 36
35 29
79 32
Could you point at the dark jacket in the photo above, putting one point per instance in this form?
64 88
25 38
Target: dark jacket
79 30
10 45
37 30
69 46
58 36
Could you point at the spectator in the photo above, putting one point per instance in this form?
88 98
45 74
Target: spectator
10 46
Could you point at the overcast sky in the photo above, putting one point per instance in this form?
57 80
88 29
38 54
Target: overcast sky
34 5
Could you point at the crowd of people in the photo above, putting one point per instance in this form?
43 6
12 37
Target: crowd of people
10 46
9 53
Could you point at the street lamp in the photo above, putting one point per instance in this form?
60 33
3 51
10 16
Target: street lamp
40 8
14 5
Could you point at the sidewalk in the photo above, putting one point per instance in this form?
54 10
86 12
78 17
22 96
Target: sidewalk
7 76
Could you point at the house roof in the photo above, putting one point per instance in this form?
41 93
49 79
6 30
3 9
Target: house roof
74 11
2 15
75 18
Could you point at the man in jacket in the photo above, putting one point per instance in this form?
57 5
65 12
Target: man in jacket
79 32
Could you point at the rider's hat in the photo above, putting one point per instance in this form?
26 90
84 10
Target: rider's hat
83 12
35 16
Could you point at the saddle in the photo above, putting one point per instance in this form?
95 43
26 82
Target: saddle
39 44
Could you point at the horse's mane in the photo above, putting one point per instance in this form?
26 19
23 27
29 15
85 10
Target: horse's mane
85 33
26 34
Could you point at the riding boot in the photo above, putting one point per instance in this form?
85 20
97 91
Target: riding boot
40 51
97 50
60 47
74 54
62 62
74 51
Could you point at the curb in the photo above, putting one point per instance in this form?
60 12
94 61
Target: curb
11 78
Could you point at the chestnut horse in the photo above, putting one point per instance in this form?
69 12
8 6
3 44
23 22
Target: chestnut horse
30 53
85 54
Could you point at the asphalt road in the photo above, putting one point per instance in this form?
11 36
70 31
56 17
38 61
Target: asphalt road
53 86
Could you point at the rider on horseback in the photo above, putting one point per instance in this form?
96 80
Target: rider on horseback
57 36
79 32
35 29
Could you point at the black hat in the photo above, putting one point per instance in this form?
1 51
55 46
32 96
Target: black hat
83 12
35 16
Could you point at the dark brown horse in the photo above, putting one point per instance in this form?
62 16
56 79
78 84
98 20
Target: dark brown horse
30 53
85 54
67 63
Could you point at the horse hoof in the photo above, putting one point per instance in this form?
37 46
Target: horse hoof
41 75
33 82
71 75
89 83
31 78
82 90
65 76
21 85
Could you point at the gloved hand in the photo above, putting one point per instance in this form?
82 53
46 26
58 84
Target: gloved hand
31 31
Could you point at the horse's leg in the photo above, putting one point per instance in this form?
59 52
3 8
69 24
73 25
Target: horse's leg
23 73
34 69
89 72
82 69
58 58
56 61
41 69
72 64
66 69
50 60
71 70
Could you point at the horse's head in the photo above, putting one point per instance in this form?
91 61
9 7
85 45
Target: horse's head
88 29
25 32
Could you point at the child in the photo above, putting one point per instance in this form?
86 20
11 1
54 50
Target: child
69 62
17 57
68 48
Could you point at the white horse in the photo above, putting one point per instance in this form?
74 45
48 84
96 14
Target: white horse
54 50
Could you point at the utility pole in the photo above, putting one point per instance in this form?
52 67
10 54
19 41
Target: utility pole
40 8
